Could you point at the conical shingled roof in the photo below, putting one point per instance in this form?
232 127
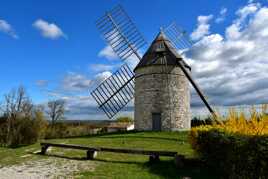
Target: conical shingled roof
159 48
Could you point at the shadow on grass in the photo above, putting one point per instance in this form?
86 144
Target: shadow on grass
193 168
167 169
61 156
84 158
118 161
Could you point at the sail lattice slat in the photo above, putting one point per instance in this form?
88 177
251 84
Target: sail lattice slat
177 37
116 91
120 33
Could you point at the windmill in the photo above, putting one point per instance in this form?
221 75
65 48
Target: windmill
162 95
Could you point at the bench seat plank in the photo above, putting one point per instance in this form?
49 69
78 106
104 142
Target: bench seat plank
116 150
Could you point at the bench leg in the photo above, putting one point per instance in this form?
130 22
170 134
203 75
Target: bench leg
179 161
44 149
91 154
154 158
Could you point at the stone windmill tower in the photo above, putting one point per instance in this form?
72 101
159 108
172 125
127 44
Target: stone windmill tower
159 81
162 93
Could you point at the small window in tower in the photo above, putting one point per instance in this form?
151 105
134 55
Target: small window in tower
159 47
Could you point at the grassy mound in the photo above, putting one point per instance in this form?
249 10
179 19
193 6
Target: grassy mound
116 165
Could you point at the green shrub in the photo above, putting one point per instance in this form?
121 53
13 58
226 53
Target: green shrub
24 130
56 130
124 119
22 122
236 156
63 130
3 131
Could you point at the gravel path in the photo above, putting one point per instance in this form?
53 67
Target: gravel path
46 168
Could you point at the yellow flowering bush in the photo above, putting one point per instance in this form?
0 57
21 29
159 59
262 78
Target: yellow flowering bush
237 145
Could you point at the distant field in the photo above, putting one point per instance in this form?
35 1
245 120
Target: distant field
109 165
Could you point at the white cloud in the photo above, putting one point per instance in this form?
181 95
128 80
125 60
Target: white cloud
244 14
6 28
100 77
102 67
232 32
107 52
75 82
48 30
202 27
247 10
75 90
222 15
232 69
223 11
133 61
83 105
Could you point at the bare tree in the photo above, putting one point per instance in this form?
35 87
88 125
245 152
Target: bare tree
56 110
16 104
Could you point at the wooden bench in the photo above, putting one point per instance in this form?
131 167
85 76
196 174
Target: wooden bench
92 151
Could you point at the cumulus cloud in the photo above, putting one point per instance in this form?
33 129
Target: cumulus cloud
84 105
102 67
75 82
100 77
244 14
221 16
6 28
133 61
107 52
247 10
232 68
48 30
202 27
75 89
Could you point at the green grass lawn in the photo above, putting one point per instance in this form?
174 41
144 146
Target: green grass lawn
115 165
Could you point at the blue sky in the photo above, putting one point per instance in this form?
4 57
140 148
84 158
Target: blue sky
47 62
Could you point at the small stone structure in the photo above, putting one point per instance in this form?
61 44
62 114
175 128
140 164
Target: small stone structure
162 93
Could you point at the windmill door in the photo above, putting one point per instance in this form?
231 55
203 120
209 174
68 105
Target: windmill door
156 121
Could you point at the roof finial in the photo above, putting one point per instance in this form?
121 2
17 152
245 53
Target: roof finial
161 29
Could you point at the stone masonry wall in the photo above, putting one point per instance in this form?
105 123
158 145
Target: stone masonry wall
162 89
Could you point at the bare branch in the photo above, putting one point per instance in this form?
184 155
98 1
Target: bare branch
56 110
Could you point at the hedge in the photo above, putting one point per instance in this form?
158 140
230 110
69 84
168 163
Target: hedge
238 148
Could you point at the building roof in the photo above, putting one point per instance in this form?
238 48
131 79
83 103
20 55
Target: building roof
160 52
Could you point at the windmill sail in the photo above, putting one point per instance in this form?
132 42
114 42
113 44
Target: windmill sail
115 92
121 33
124 38
178 39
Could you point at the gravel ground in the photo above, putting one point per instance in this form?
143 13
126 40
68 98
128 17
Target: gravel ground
46 168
